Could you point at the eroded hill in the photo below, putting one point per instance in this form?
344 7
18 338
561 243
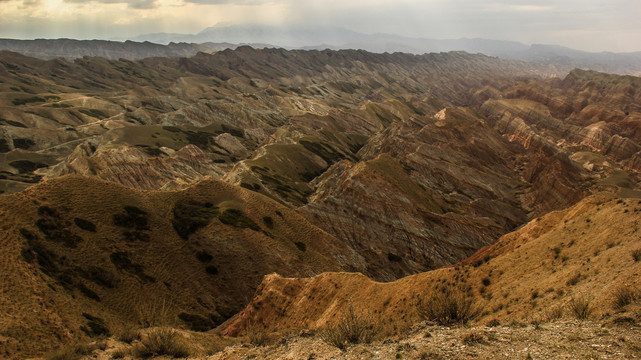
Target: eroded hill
528 274
192 178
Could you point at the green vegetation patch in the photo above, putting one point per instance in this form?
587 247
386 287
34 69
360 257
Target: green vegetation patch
85 224
35 250
343 86
12 123
94 113
202 139
151 150
394 258
20 143
324 150
4 146
60 105
55 228
131 218
385 116
26 166
199 323
237 218
301 246
190 215
98 276
268 221
204 323
29 100
253 187
122 262
61 268
204 257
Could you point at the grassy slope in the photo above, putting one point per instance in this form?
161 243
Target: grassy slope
42 303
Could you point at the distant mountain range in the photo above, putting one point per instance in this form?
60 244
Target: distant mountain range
70 49
338 38
230 36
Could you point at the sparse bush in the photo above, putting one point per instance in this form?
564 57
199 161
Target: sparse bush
473 338
269 222
624 296
95 326
85 224
554 313
636 255
493 323
211 270
394 258
574 280
204 257
162 341
352 328
485 281
189 216
152 312
477 262
301 246
581 308
451 306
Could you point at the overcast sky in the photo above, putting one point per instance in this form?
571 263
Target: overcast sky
593 25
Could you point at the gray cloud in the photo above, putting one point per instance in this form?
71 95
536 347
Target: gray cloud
133 4
585 24
235 2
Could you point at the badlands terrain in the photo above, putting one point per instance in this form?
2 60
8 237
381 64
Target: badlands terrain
264 196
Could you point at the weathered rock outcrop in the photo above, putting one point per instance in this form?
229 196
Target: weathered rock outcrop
559 257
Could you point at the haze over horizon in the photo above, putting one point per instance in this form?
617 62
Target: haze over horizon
584 25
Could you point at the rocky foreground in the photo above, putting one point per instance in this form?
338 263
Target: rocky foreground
560 339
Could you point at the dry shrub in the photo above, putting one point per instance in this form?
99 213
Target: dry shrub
473 338
152 312
452 306
554 313
129 335
636 255
353 328
581 308
257 334
162 341
75 351
624 296
493 323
